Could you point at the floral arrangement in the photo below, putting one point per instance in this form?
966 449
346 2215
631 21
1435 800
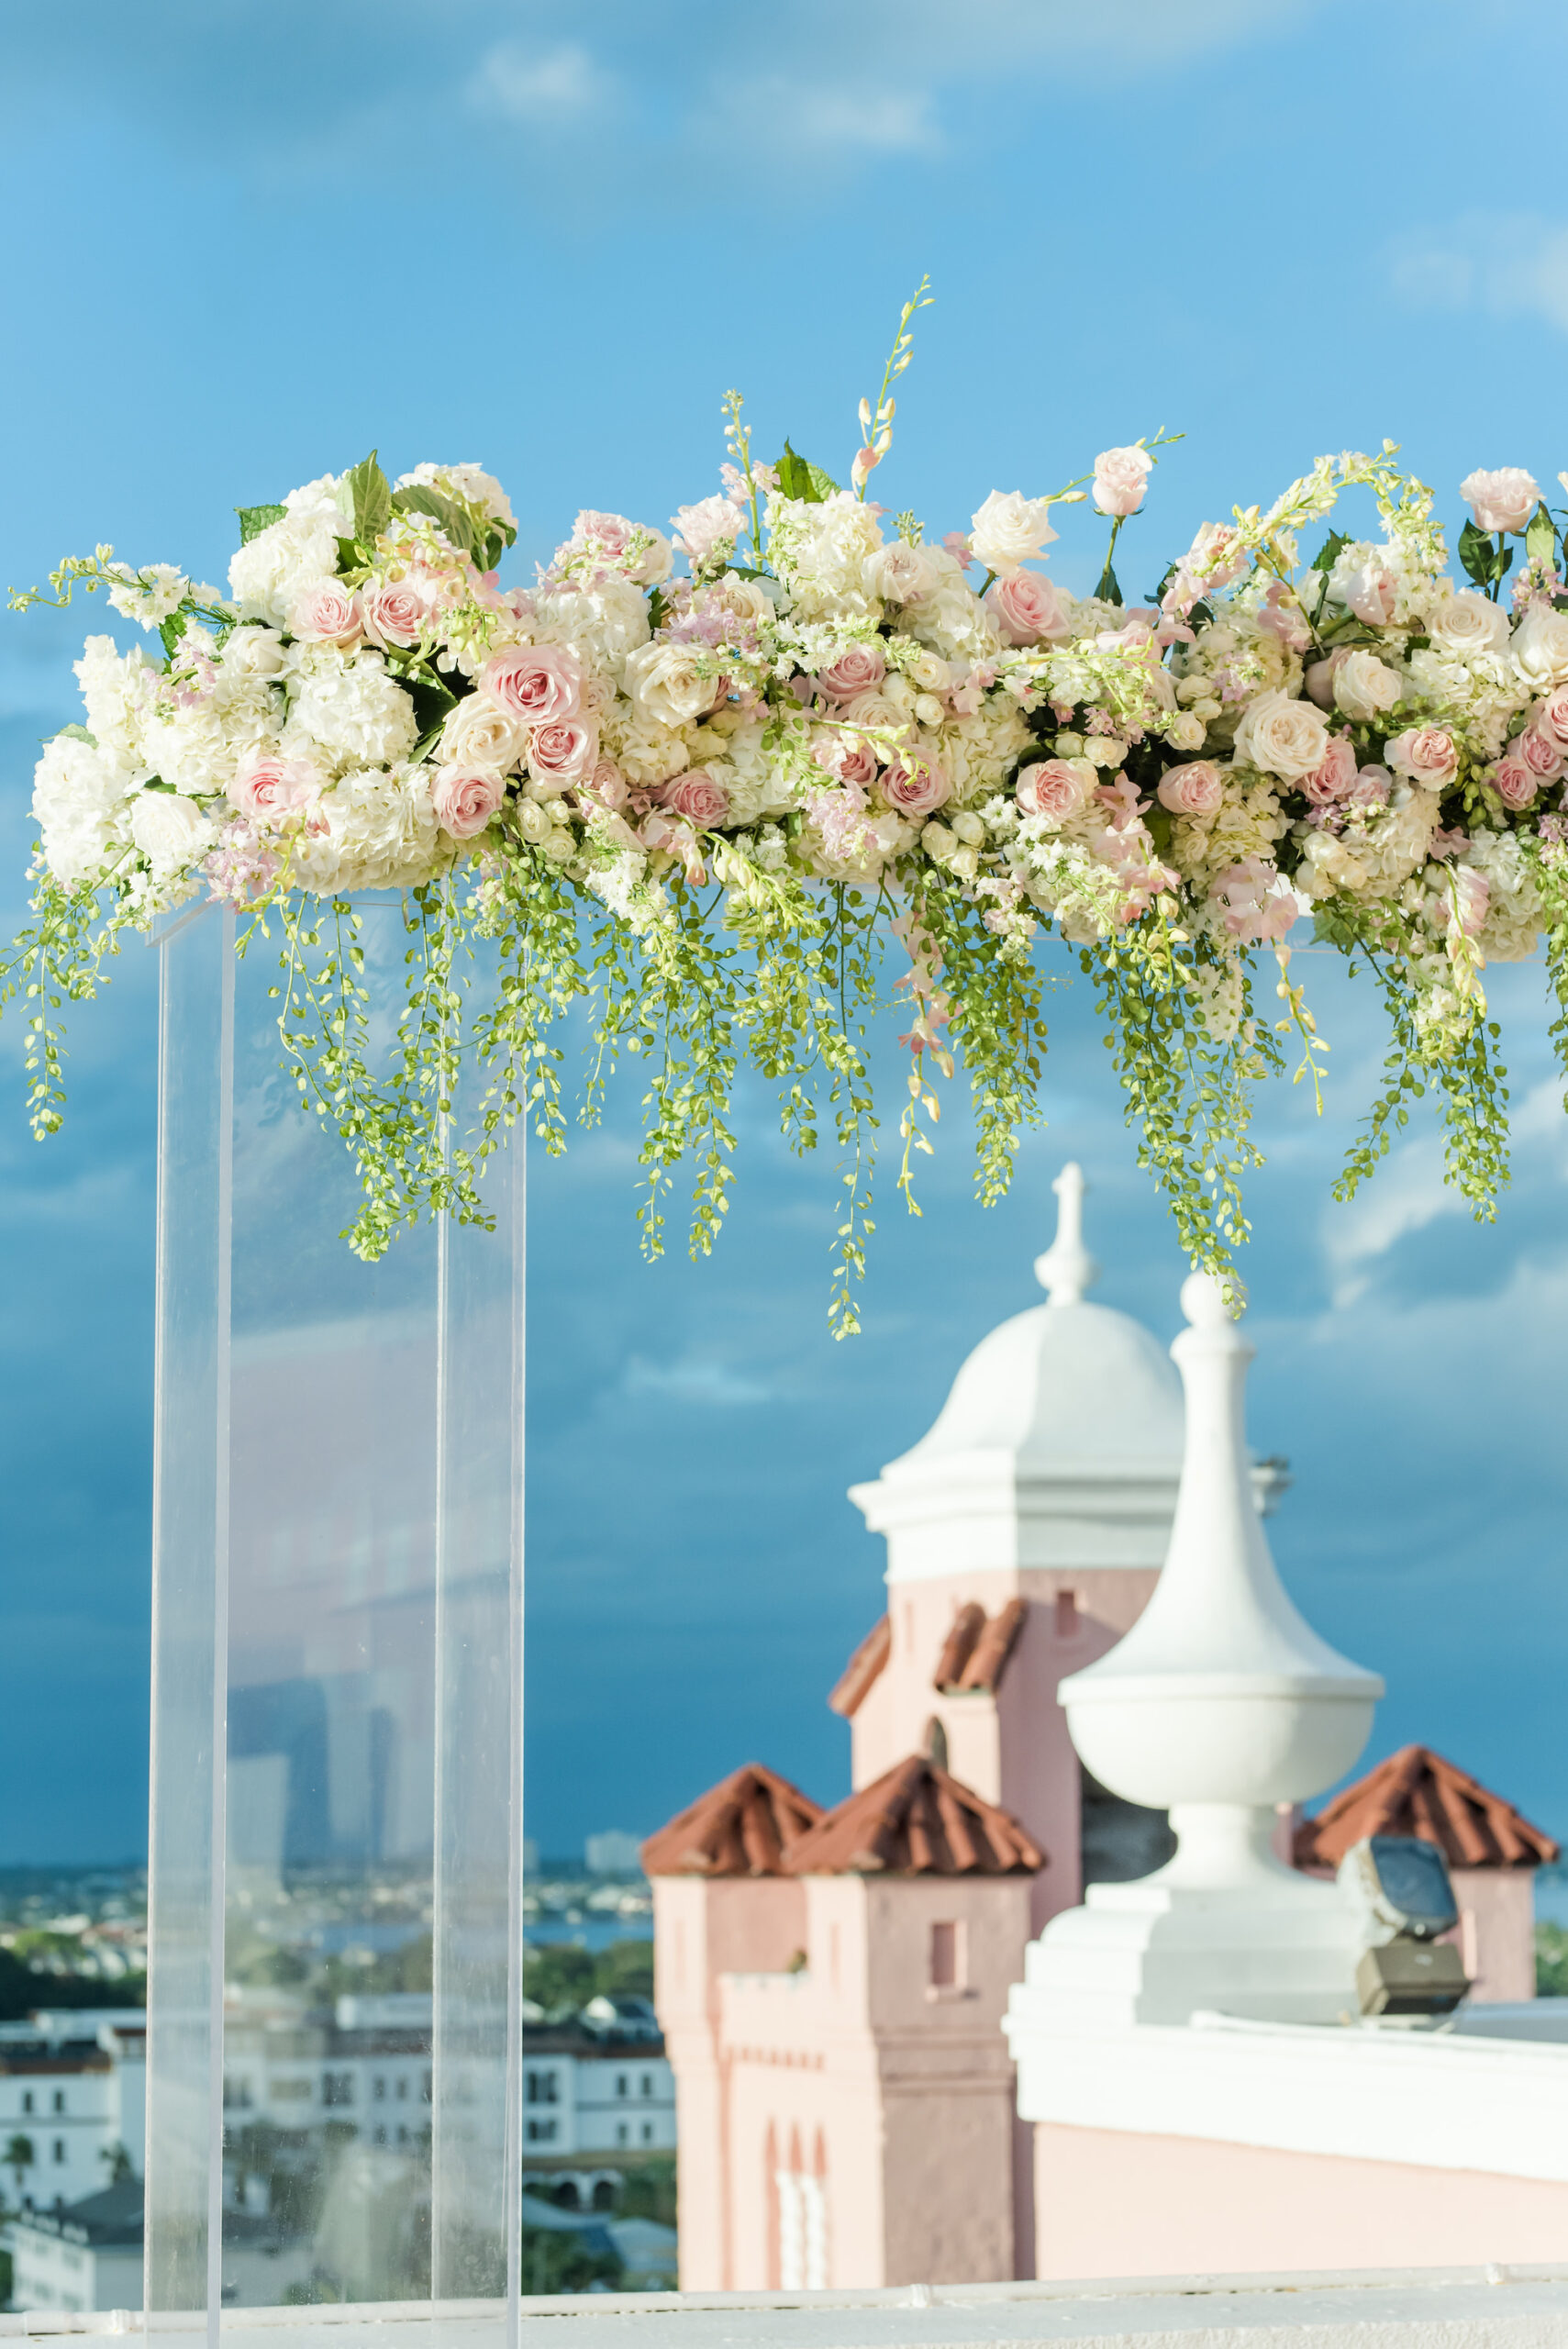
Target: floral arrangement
699 782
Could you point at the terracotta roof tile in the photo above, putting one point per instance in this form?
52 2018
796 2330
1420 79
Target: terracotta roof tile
915 1820
959 1646
863 1667
744 1826
994 1645
1415 1792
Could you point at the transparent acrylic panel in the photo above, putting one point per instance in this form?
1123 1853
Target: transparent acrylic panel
371 1782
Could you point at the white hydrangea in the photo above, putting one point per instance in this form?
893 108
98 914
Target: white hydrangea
380 833
602 623
821 552
190 749
1514 917
79 802
471 482
117 690
347 706
265 577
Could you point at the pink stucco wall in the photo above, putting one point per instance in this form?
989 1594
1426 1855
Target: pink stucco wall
1109 2203
1012 1748
1497 1931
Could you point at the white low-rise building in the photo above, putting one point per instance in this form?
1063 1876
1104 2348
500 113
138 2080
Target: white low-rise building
72 2103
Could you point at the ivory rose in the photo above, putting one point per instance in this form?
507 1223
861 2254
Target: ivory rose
1365 685
325 613
1426 754
536 682
1197 789
465 798
898 574
857 669
1282 737
1121 477
1503 500
1469 623
666 683
480 734
1009 531
1540 648
563 752
170 830
710 527
1028 609
1056 787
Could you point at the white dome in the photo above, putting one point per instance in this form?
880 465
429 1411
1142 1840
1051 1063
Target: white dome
1062 1387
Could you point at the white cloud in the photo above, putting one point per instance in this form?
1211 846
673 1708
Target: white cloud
1504 264
1407 1193
540 85
849 123
693 1379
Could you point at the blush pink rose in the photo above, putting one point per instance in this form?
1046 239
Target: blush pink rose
1195 789
539 682
266 786
1553 713
1053 787
1516 787
915 784
846 757
1373 787
1320 675
1121 477
1425 754
327 613
1335 777
1540 752
696 799
858 669
1503 500
563 751
465 798
1026 608
394 616
606 785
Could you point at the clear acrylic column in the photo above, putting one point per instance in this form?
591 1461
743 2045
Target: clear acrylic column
335 1870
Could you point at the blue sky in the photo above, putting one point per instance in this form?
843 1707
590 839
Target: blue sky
250 242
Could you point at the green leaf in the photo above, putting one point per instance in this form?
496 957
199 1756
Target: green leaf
372 499
1541 538
1108 591
255 519
1478 554
1328 553
806 481
156 782
443 510
172 633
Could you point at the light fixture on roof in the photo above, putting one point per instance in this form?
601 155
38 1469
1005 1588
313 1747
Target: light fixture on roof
1399 1886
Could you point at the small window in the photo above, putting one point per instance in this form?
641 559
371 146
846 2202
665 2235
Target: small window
381 2133
648 2133
378 2089
1066 1614
425 2087
26 2100
620 2083
337 2087
401 2133
648 2084
935 1743
60 2149
402 2085
59 2100
623 2134
947 1956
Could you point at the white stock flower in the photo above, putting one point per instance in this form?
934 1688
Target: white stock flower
1365 685
1010 530
1282 737
152 597
170 830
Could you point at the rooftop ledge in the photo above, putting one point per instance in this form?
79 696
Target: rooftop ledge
1457 2307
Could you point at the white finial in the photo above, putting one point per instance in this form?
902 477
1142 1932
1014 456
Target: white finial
1067 1269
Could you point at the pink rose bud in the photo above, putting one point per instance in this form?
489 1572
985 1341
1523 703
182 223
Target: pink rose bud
1051 787
394 616
326 614
266 786
536 682
1121 476
465 798
915 784
563 751
1515 784
1334 778
1026 608
1541 753
856 670
697 798
1503 500
1195 789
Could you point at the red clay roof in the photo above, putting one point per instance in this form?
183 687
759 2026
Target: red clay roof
1415 1792
988 1658
959 1646
915 1820
743 1826
862 1668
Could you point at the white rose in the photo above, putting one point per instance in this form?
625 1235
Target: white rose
1469 623
1186 732
898 573
171 831
265 577
479 732
1010 529
1282 737
1363 685
252 652
665 685
1541 648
